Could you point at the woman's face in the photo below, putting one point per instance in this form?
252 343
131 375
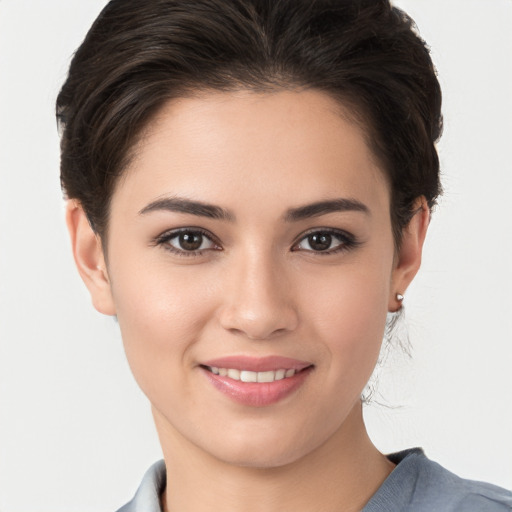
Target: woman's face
250 239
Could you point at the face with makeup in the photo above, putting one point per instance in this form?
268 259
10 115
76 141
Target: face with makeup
251 265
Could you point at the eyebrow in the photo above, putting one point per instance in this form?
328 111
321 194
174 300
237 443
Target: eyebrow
188 206
182 205
324 207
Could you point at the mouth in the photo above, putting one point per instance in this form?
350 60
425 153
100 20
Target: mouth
252 376
257 382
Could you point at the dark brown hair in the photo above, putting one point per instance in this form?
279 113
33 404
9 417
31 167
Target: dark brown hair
140 54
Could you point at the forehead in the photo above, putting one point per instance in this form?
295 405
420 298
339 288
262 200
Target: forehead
296 146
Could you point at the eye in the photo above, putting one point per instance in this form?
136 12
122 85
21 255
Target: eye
187 241
325 241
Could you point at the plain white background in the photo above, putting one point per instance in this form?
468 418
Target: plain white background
76 433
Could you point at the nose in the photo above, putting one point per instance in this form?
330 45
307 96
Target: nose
258 300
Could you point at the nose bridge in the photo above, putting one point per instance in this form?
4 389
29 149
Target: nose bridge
259 302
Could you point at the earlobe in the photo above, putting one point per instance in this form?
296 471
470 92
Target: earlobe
89 258
408 259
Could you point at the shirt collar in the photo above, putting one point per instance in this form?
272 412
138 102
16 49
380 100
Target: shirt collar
148 494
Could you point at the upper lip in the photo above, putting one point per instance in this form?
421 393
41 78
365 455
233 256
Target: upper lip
257 364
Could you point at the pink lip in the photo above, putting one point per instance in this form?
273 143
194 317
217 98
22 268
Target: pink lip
258 364
252 393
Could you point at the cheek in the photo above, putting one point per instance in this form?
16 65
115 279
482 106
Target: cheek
160 314
152 296
349 313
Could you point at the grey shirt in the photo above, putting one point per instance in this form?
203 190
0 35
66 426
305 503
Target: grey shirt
416 484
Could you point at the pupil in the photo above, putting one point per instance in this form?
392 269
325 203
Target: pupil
320 241
191 241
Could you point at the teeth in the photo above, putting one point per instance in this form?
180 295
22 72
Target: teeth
266 376
234 374
280 374
248 376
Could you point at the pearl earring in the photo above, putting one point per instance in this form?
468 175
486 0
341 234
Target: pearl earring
399 297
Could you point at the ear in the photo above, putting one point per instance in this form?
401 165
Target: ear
408 259
89 258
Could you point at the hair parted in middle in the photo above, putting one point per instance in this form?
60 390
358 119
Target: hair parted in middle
137 56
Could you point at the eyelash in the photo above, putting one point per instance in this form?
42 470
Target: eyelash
347 241
164 239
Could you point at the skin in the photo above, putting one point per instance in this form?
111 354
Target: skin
258 288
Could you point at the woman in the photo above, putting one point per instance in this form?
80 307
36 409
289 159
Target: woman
250 184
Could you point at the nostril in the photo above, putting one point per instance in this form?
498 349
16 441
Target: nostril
273 334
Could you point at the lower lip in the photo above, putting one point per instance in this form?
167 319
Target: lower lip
256 394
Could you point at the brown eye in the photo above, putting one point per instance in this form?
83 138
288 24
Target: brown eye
190 241
320 241
326 242
187 242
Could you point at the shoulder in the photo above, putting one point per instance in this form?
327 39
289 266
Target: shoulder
416 484
419 484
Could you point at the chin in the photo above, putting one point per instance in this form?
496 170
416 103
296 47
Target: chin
259 460
263 452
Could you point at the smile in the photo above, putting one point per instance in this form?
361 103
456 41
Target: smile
256 382
250 376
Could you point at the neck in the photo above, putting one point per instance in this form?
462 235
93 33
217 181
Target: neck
340 475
